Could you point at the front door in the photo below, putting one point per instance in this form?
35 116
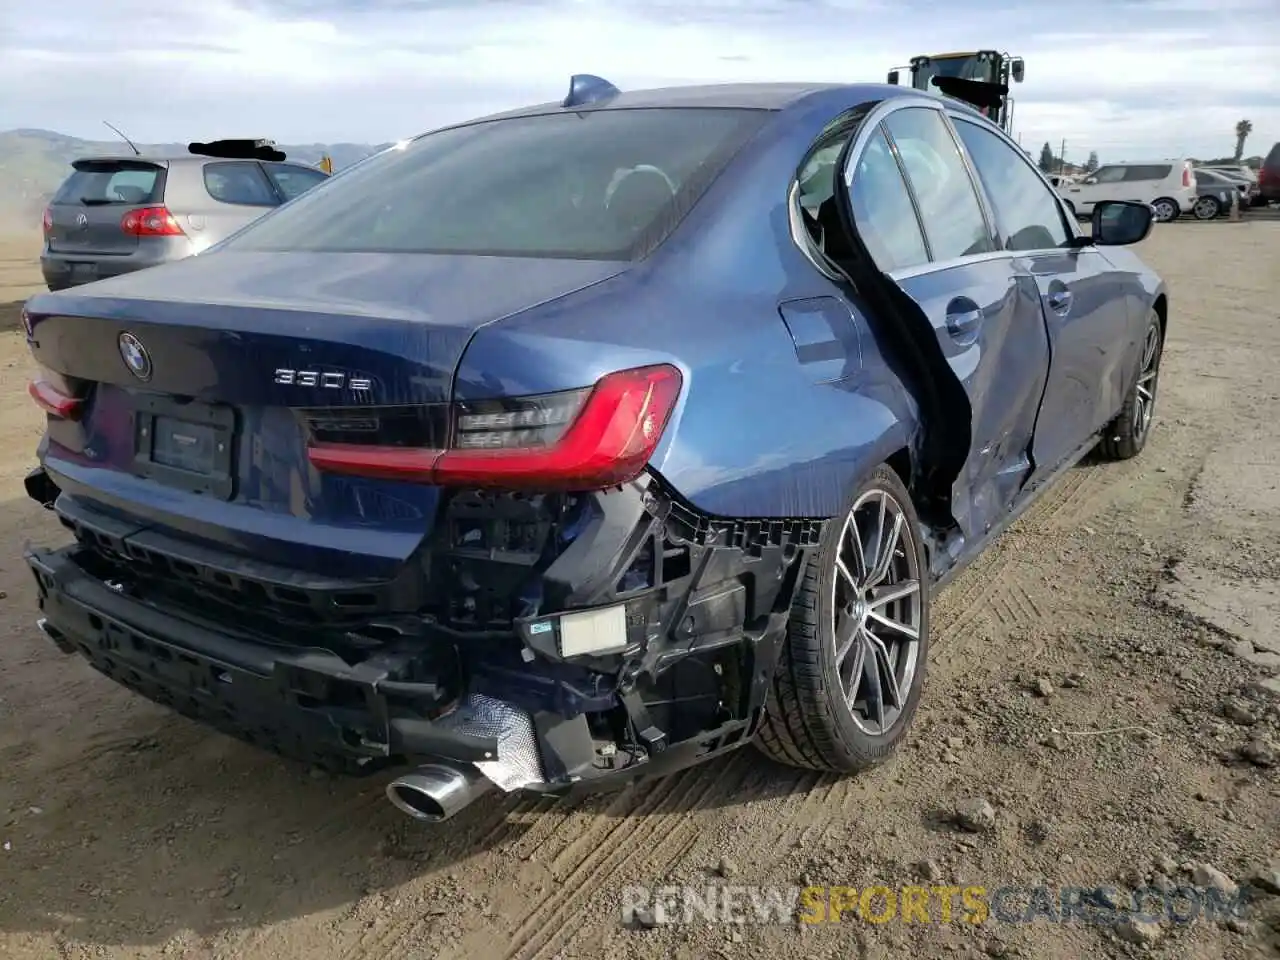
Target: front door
914 204
1103 184
1088 326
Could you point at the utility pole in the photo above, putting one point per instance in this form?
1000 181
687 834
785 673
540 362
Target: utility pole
1062 156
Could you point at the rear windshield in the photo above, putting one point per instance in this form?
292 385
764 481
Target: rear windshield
100 182
602 185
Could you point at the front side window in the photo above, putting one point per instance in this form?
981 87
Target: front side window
882 211
601 185
292 180
1028 212
949 207
1108 174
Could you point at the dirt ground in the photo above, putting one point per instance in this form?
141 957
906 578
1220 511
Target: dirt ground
1147 594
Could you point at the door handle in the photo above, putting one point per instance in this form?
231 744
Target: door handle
1060 301
964 318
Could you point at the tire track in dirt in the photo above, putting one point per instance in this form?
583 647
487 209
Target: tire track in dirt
575 845
553 922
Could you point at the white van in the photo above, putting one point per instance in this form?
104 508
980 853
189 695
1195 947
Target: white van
1169 187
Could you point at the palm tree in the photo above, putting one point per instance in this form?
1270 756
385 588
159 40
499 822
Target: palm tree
1243 129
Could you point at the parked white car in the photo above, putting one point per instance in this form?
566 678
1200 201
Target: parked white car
1169 186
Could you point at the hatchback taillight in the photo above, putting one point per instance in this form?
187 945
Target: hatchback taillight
46 223
1187 178
150 222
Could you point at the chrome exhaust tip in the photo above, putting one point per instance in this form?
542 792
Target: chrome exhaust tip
437 791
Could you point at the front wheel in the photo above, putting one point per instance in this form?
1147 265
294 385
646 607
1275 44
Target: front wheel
1127 434
849 677
1166 209
1206 208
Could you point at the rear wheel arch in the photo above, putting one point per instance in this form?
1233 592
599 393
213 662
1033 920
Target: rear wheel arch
1161 306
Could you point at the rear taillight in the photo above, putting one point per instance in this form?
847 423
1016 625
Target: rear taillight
150 222
52 400
46 222
1187 177
587 439
57 394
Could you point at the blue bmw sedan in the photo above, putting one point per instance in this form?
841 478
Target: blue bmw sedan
585 442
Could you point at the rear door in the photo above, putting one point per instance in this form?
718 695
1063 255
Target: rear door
1091 332
86 212
232 194
914 203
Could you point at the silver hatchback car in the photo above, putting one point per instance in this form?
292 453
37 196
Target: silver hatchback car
114 215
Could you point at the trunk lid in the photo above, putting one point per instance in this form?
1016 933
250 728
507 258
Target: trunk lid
85 214
205 378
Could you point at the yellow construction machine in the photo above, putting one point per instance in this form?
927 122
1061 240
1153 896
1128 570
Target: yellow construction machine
980 78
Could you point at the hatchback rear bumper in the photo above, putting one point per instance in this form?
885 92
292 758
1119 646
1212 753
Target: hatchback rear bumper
63 269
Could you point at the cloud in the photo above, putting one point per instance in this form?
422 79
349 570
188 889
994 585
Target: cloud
1130 78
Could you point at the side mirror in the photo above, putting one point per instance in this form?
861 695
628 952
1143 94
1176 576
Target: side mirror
1017 70
1118 223
1089 181
893 78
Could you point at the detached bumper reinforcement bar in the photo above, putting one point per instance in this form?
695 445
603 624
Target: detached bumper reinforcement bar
304 703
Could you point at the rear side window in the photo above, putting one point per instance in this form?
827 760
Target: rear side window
1147 171
94 183
949 207
882 209
239 182
291 179
602 184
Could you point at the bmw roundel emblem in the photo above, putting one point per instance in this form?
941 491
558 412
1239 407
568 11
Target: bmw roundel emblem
135 356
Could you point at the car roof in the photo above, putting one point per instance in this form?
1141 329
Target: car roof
172 158
1145 163
743 96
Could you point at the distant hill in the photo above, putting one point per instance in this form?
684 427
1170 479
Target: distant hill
34 162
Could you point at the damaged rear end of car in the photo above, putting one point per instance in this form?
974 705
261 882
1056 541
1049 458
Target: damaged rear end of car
321 504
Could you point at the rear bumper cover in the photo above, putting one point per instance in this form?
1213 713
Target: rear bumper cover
67 269
305 704
597 720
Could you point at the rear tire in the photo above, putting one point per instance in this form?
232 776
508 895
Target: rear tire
1207 208
850 674
1166 209
1127 434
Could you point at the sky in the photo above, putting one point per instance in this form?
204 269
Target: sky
1131 79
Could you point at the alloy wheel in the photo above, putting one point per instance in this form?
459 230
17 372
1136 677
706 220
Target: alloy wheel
1148 380
1165 211
876 611
1206 208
